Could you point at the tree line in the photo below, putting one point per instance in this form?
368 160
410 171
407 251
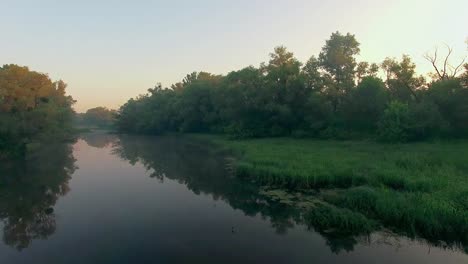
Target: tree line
332 95
97 117
33 109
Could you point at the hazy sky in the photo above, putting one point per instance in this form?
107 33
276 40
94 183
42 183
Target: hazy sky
109 51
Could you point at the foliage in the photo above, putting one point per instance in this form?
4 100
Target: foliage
401 79
452 100
402 122
341 221
394 124
419 188
330 96
32 108
366 104
338 61
101 117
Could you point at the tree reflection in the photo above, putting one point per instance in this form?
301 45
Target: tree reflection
203 170
98 139
28 191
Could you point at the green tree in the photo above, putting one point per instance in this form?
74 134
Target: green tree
337 59
366 104
286 86
451 98
99 117
32 108
365 69
312 75
329 96
282 67
401 78
241 103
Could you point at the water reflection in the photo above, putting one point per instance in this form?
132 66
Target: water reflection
99 139
29 190
120 215
203 170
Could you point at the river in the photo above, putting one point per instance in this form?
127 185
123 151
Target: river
137 199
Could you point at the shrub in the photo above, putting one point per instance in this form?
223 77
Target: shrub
393 125
401 122
425 121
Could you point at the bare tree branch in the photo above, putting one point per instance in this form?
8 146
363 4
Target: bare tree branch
446 70
446 60
455 70
433 61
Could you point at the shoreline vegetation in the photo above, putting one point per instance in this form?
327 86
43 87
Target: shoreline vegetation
34 111
354 146
337 128
356 187
331 96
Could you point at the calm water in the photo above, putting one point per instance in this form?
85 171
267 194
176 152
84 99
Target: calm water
110 199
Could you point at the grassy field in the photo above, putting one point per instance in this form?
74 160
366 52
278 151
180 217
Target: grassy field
419 189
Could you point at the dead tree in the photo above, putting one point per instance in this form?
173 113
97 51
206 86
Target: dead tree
446 70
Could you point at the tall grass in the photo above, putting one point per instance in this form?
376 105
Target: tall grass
419 189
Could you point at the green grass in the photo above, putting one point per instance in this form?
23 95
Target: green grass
419 189
338 221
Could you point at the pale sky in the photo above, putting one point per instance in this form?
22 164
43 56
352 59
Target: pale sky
110 51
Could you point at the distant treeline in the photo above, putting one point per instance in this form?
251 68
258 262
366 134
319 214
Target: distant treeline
33 109
330 96
98 117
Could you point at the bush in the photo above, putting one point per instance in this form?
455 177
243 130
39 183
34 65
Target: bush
401 122
393 125
366 105
451 98
425 121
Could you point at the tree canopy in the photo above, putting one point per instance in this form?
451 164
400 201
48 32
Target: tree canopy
32 108
332 95
100 117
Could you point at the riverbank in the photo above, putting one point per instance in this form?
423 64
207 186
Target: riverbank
418 189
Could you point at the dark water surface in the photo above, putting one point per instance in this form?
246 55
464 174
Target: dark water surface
128 199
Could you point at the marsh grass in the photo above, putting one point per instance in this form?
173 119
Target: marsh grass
419 189
338 221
